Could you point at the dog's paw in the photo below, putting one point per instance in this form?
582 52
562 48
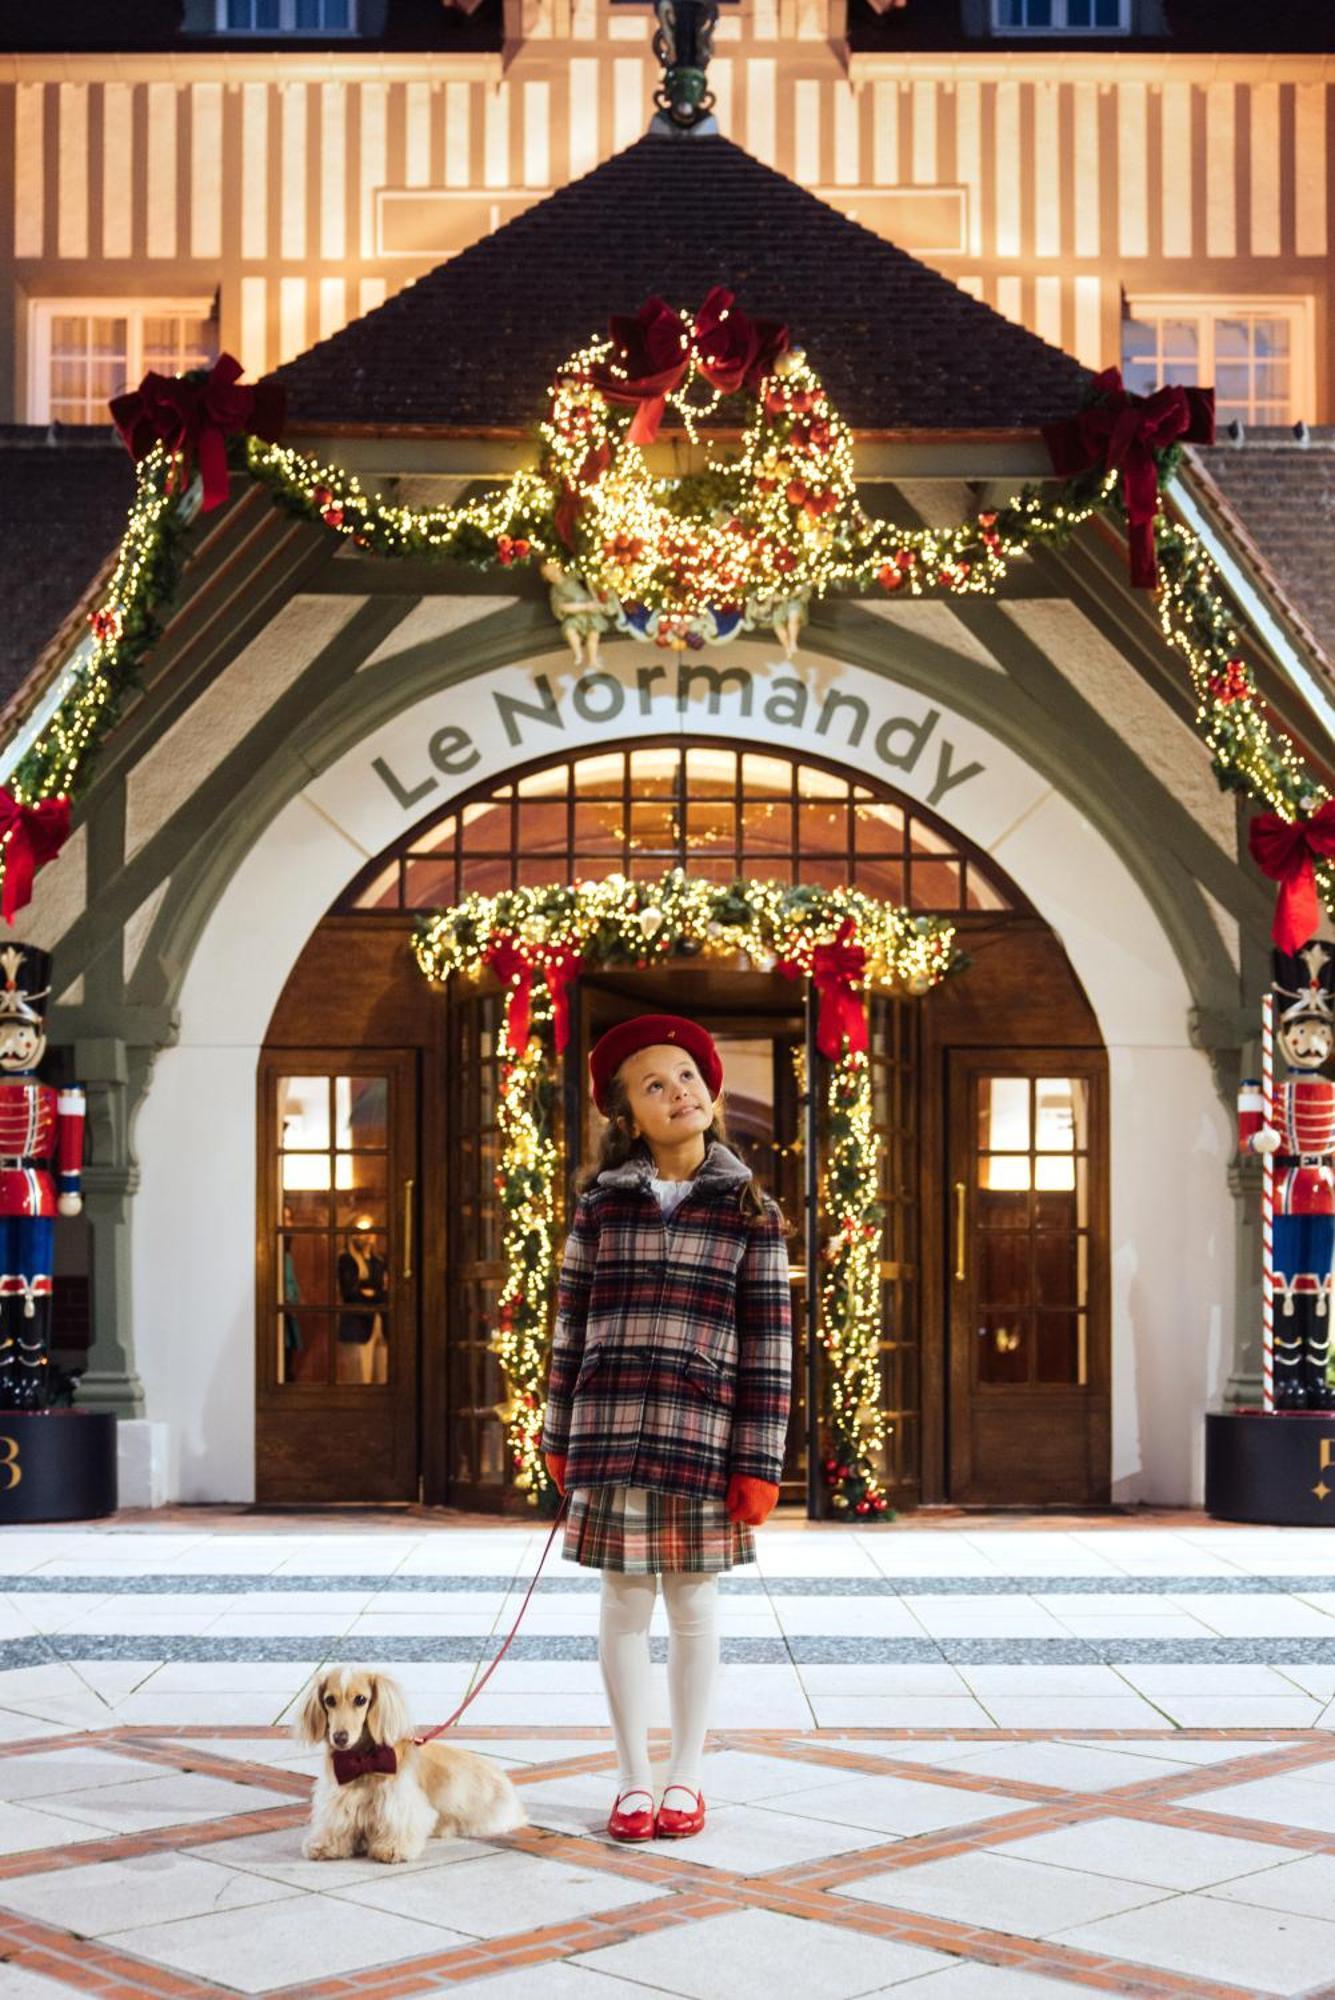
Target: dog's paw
316 1849
386 1851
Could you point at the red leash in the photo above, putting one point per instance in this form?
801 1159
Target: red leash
473 1693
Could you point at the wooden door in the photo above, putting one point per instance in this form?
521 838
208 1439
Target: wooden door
1027 1278
476 1457
895 1039
337 1362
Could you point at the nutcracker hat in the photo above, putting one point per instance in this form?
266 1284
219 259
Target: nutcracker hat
26 975
1304 983
648 1031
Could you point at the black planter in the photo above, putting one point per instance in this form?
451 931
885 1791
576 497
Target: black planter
56 1465
1276 1469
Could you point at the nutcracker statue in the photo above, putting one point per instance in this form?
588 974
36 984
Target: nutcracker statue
1291 1124
37 1125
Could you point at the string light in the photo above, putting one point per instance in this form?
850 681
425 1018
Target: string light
618 922
749 542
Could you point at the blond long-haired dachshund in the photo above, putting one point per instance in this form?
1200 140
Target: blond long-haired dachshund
380 1793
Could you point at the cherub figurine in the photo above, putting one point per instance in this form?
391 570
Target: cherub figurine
582 616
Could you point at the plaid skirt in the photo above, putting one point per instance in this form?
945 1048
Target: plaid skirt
638 1530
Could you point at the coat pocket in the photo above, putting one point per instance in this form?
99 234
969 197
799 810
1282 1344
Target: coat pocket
703 1374
589 1366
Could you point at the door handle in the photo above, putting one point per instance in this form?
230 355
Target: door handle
961 1201
408 1190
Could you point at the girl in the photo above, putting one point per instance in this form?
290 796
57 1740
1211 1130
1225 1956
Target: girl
667 1405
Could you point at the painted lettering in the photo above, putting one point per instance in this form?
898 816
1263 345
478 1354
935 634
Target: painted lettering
861 715
916 734
452 750
714 677
611 697
787 704
401 793
508 706
644 681
946 777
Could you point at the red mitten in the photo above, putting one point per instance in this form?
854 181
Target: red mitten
555 1462
750 1501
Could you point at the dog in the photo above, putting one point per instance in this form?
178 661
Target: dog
380 1793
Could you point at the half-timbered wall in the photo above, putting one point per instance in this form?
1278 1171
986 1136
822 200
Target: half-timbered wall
300 190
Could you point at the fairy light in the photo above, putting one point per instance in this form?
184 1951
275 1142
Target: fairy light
759 535
619 922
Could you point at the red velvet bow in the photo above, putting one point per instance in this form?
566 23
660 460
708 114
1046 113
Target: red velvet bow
1120 432
350 1764
515 967
559 969
32 835
1286 850
653 352
196 418
836 970
515 973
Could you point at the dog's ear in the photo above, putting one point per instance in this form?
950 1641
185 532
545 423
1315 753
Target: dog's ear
387 1718
311 1721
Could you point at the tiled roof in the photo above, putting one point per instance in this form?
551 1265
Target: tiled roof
63 502
474 343
1192 27
1282 493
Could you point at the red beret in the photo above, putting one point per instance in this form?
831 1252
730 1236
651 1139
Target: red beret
648 1031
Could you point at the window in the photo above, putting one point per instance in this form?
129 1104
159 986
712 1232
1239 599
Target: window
1062 17
709 810
287 17
85 351
1256 353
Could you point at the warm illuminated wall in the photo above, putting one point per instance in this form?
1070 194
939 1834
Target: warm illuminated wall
303 189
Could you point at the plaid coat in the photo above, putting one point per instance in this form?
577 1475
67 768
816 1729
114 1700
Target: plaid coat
672 1360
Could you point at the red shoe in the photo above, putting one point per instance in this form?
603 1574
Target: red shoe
637 1825
675 1824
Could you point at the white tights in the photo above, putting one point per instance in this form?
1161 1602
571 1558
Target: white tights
623 1654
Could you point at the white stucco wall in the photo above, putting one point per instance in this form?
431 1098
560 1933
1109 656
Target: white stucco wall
1172 1221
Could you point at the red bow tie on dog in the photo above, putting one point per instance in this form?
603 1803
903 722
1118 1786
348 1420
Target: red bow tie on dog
350 1764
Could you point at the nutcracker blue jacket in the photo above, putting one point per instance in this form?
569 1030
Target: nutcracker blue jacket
672 1358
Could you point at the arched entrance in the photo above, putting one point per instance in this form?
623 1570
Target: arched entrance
378 1285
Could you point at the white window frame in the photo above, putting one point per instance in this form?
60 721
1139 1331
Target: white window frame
287 22
1207 307
134 311
1058 24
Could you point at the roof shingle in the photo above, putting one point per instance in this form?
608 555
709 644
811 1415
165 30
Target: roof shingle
475 342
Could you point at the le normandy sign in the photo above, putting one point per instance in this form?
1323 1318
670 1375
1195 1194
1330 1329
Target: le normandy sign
883 731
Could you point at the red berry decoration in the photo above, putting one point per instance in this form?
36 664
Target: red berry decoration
321 496
1233 684
889 577
332 517
863 1507
796 493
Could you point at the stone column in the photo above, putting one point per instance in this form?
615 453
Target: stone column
104 1066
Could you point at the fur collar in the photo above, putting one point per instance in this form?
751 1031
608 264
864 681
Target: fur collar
719 1171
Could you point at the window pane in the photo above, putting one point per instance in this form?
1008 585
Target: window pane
879 829
1059 1347
598 827
711 774
875 878
361 1112
822 826
303 1346
1058 1109
653 826
1003 1115
303 1114
767 827
1057 1268
1003 1268
360 1196
486 827
1002 1347
542 827
303 1270
600 777
1139 340
767 775
1180 340
935 885
428 884
654 773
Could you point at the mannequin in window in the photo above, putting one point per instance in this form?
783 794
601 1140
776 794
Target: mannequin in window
363 1282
